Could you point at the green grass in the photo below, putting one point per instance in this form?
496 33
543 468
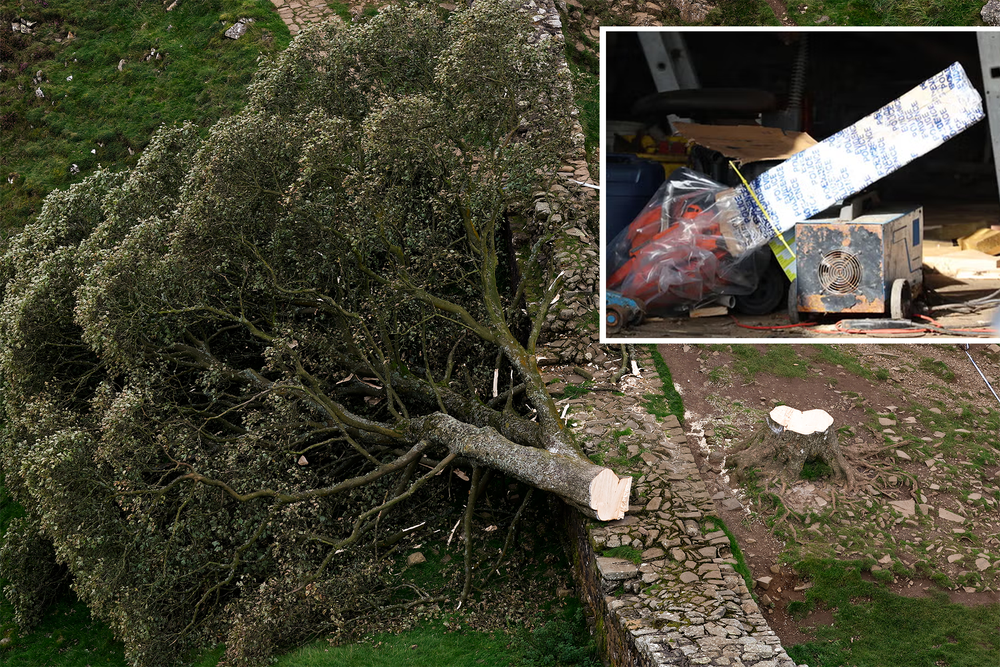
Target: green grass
578 390
669 402
874 627
937 368
815 469
713 523
886 12
422 647
341 9
102 113
625 552
778 360
67 637
560 642
834 356
587 92
742 12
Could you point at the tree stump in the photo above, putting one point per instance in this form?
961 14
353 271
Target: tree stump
790 437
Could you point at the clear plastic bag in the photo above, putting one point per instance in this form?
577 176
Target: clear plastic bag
684 248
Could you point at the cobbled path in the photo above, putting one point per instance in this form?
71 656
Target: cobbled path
297 13
684 604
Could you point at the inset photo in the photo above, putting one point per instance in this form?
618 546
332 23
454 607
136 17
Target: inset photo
800 184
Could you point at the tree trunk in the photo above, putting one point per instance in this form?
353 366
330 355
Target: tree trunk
596 491
789 439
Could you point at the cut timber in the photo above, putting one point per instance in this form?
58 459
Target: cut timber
710 311
983 240
595 490
804 423
609 494
968 242
779 448
951 261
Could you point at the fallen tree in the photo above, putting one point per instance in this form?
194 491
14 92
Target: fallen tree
227 369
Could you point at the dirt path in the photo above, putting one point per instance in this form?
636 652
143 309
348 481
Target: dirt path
780 11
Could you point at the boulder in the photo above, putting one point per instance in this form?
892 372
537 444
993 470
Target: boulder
991 13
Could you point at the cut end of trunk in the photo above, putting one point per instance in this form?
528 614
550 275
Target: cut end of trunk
804 423
609 495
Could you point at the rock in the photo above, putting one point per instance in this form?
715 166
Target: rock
954 558
652 554
885 421
903 455
905 507
732 504
775 569
39 93
616 569
416 558
238 29
693 11
950 516
564 592
688 577
764 582
678 555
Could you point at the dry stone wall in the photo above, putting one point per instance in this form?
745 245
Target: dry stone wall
684 603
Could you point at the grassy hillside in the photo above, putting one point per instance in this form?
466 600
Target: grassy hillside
886 12
111 71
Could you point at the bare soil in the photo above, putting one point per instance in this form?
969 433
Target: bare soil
930 394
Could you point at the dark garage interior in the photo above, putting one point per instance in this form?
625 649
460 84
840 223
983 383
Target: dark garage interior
819 83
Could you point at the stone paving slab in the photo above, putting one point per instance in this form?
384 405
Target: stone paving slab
296 14
685 604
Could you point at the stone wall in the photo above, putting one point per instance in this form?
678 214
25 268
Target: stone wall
684 603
